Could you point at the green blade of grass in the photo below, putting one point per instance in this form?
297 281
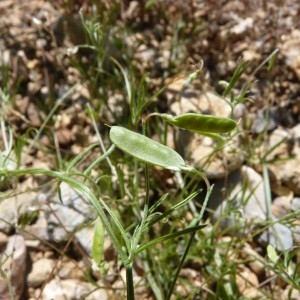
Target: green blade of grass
98 204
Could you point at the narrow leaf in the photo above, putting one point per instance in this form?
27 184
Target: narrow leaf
98 242
272 255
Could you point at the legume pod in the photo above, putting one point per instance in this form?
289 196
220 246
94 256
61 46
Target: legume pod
145 149
200 123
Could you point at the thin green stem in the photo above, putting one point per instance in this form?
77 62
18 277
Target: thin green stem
129 282
194 223
152 280
137 236
147 197
99 159
267 191
147 183
101 143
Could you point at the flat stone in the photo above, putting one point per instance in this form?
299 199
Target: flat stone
247 283
13 207
72 289
3 240
281 206
69 213
277 235
64 220
40 272
238 200
279 144
295 204
255 262
69 269
255 206
266 120
192 100
38 231
246 191
85 237
14 266
289 175
290 48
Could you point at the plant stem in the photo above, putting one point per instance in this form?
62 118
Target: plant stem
137 237
129 282
100 159
194 223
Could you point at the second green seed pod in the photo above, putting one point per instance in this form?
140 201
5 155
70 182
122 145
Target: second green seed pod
201 123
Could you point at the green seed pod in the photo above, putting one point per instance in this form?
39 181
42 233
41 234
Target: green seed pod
201 123
145 149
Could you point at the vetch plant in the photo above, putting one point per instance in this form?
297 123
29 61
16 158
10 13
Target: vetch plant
154 153
129 245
